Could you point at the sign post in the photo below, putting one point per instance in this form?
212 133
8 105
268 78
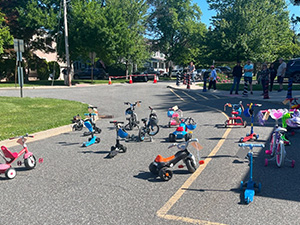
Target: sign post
19 48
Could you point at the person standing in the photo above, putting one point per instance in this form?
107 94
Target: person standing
265 77
248 74
273 73
237 74
280 73
212 78
191 69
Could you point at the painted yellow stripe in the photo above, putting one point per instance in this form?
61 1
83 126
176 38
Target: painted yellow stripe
164 210
190 220
202 96
189 96
176 95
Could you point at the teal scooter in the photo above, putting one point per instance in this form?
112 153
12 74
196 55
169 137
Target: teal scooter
250 186
93 139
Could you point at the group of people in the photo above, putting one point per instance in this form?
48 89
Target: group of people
266 76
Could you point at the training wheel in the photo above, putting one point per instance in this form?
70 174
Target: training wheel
266 162
242 140
293 163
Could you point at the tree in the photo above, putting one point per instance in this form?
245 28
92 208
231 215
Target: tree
5 37
176 29
249 29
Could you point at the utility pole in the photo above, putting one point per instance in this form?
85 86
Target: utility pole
67 44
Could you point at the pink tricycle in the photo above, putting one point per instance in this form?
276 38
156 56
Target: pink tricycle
174 114
10 157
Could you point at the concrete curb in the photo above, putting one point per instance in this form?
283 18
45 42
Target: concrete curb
40 135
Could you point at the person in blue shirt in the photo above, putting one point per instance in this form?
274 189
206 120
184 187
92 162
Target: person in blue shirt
248 74
212 78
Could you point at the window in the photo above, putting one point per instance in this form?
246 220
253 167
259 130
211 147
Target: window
154 64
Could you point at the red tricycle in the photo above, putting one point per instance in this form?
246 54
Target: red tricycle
10 157
235 119
174 114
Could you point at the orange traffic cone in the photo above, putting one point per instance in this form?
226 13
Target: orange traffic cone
130 80
155 79
109 81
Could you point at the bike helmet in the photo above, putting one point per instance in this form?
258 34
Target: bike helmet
191 124
128 111
170 113
122 133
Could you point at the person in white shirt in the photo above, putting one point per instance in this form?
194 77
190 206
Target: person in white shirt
280 73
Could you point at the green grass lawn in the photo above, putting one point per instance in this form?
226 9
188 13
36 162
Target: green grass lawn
28 115
256 87
58 83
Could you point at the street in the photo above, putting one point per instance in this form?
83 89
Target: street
76 185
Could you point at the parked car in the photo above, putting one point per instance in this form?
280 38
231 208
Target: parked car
224 69
151 73
293 69
86 74
141 77
175 72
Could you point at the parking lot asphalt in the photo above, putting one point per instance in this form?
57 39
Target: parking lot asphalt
76 185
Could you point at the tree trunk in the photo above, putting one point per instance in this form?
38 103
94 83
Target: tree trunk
126 70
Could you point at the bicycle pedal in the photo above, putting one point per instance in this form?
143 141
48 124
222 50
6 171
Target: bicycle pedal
268 152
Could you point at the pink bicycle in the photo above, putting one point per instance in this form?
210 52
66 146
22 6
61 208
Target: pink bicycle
10 157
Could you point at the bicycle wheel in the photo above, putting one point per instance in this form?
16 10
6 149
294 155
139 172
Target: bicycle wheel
142 134
280 153
273 144
153 130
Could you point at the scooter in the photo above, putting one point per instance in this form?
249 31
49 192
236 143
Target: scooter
235 119
93 139
10 157
249 112
250 186
161 166
91 118
121 135
182 130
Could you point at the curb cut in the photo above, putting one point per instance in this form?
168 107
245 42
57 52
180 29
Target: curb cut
40 135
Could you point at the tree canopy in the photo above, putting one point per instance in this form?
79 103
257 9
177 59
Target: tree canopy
5 36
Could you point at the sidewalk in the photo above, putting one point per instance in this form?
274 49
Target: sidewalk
275 96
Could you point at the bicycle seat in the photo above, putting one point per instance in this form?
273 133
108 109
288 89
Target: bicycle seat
144 120
9 154
159 158
280 129
234 113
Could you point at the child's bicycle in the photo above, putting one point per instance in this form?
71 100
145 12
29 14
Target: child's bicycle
161 166
182 130
250 186
174 114
10 157
235 119
150 127
278 140
77 123
132 119
121 135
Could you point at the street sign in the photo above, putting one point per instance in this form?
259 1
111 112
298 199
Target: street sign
19 45
92 56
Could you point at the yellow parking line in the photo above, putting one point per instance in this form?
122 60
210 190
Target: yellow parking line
189 96
162 212
202 96
177 95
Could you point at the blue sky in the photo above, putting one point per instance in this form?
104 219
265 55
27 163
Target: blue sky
206 14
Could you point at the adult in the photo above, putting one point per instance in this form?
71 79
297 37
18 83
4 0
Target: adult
273 73
248 74
191 69
280 73
265 78
212 78
237 74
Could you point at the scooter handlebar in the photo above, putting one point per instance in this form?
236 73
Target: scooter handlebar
115 122
252 145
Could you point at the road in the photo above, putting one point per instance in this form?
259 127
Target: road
77 185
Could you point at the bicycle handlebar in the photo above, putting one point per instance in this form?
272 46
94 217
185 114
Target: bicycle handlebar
128 103
116 122
23 136
184 145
